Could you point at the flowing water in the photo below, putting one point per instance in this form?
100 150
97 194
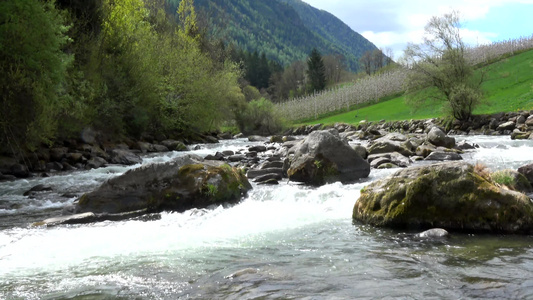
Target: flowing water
282 242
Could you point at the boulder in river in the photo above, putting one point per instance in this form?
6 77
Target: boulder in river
438 138
184 183
448 195
322 157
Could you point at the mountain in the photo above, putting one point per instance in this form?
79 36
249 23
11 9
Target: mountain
341 38
285 30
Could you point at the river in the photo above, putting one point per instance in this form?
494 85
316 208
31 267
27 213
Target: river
282 242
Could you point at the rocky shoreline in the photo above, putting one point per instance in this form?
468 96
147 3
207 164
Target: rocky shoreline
91 150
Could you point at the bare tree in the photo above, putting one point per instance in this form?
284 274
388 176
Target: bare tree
377 59
439 69
366 62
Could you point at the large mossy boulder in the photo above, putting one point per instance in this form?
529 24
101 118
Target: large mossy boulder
185 183
323 157
446 195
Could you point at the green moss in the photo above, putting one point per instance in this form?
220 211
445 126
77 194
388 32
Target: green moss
504 177
452 198
189 169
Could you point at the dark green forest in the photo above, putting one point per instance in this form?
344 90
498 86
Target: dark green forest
285 30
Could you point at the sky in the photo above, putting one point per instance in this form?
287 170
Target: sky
393 24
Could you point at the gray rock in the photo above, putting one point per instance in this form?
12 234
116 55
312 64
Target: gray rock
272 164
228 153
124 157
527 171
465 146
20 171
424 150
323 157
251 174
173 145
267 177
95 163
159 148
89 217
184 183
387 166
438 138
529 121
57 154
38 188
379 161
257 138
361 150
236 158
506 126
434 233
443 156
447 195
257 148
53 166
389 143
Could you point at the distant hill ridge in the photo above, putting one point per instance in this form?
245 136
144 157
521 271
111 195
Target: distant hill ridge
285 30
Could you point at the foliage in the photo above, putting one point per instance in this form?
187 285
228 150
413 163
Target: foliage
441 62
503 94
259 117
316 71
284 30
504 177
373 60
32 72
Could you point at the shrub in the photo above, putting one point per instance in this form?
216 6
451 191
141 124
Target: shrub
259 117
504 177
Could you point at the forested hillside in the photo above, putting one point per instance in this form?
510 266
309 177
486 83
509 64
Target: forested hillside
341 38
285 30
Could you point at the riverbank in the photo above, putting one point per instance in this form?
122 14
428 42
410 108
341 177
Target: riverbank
91 150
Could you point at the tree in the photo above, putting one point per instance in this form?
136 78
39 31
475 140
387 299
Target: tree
32 72
377 59
316 71
439 68
366 62
187 18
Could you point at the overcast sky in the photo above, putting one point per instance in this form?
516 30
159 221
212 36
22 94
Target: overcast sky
394 23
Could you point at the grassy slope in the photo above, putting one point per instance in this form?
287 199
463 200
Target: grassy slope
508 87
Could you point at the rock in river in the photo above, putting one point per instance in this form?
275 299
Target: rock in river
322 157
184 183
448 195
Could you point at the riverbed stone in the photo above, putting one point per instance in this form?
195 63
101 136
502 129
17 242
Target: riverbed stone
448 195
251 174
391 143
510 125
323 157
184 183
527 171
438 138
124 157
434 233
95 163
443 156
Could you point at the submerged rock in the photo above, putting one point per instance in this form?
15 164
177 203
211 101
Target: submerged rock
322 157
446 195
89 217
184 183
434 233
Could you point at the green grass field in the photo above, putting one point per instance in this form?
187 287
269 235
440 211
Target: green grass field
508 86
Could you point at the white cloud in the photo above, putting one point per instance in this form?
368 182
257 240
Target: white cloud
393 24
